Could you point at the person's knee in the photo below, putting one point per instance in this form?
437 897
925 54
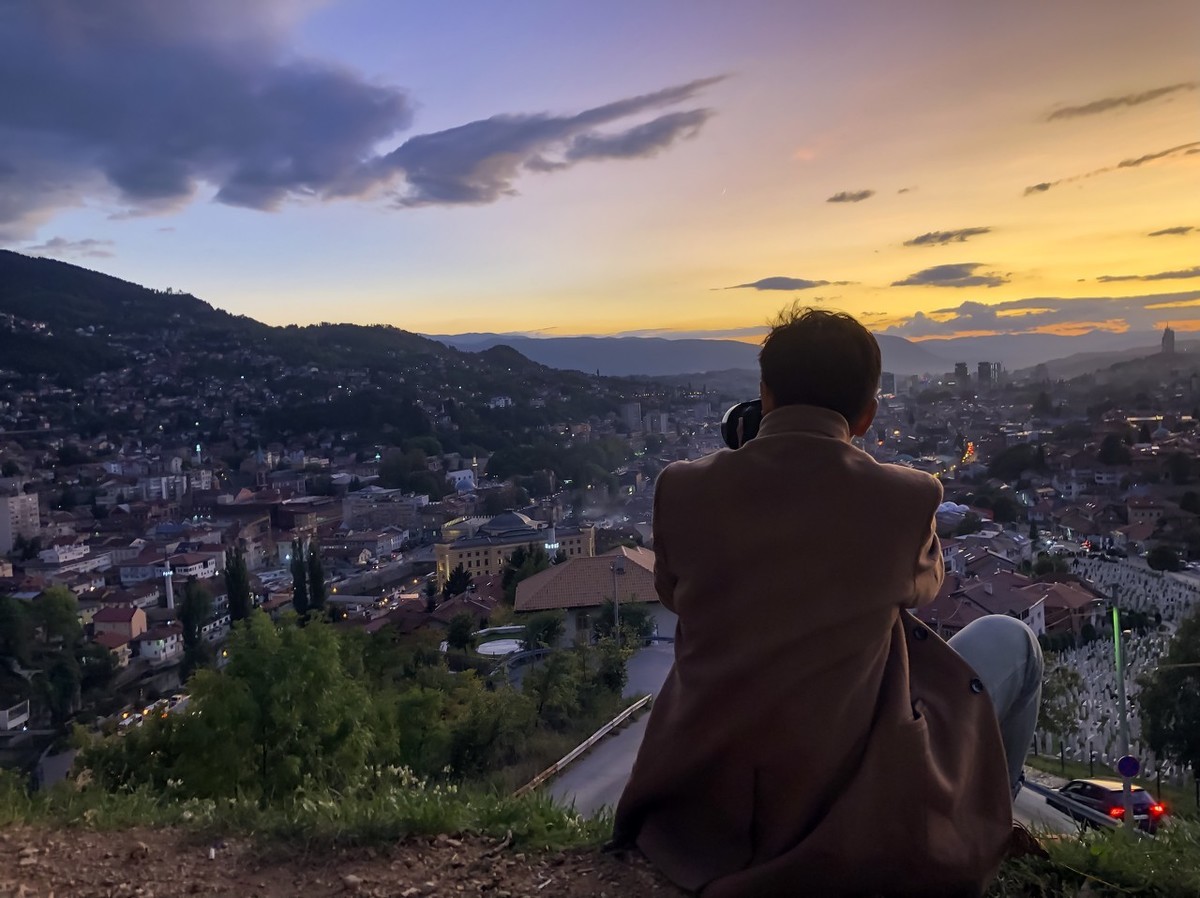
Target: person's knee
1016 641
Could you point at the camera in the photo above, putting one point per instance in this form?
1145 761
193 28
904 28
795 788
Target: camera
740 424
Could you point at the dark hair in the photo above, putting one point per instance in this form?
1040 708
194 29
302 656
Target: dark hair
816 357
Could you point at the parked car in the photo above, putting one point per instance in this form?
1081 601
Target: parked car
1104 796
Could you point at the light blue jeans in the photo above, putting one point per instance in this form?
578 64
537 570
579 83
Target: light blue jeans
1007 658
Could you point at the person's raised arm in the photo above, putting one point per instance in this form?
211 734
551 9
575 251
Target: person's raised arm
928 571
664 579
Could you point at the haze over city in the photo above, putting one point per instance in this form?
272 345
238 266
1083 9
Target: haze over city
673 169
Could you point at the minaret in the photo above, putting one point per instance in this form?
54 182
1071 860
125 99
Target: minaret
170 587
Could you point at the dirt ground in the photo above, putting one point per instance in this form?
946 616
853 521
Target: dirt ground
166 863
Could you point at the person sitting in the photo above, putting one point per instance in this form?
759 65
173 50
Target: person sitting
813 737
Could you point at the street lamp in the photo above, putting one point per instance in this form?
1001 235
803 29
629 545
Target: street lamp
618 567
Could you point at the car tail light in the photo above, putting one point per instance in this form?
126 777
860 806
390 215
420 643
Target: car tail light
1116 813
1157 810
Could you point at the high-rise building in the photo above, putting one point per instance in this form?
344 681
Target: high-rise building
887 383
962 373
18 517
989 373
1168 341
656 422
631 416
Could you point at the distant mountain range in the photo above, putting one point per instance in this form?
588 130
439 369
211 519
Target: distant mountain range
659 356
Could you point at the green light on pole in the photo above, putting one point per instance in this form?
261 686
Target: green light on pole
1126 791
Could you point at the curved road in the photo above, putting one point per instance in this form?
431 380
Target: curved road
596 780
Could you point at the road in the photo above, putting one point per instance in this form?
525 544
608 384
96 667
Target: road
596 780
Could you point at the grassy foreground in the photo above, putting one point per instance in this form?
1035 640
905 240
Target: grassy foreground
1095 864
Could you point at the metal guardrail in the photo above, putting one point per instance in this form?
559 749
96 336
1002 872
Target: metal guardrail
1090 813
560 765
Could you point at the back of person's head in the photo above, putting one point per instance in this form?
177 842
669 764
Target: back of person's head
821 358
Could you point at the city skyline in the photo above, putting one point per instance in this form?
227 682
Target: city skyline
663 170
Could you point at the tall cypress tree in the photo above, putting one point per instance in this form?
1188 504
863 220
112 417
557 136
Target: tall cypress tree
237 584
299 578
316 578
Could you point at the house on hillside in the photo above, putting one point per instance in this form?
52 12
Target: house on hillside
582 585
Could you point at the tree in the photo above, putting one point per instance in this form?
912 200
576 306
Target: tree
460 634
194 612
56 612
457 582
1144 433
1059 712
1013 461
16 631
971 523
58 687
1042 406
544 630
554 689
237 584
10 468
430 595
1005 509
316 578
1113 451
1190 502
522 564
1049 564
612 673
1163 558
1170 698
299 578
1179 465
637 622
1035 535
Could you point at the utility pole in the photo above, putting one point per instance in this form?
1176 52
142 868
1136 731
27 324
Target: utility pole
618 567
1126 790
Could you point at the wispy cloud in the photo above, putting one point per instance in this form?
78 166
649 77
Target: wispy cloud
1179 275
479 162
1178 231
940 238
781 283
961 274
87 248
148 103
1109 103
851 196
1051 314
1184 149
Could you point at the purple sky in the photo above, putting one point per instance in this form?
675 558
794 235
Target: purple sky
935 167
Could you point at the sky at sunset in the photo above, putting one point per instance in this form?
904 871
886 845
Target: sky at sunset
937 167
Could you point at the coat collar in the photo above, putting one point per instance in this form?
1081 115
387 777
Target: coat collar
805 419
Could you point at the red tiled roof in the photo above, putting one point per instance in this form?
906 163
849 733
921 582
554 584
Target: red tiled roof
111 641
115 614
584 582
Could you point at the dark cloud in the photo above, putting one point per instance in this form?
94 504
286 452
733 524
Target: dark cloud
479 161
1097 106
851 196
149 103
1048 313
940 238
1184 149
961 274
88 248
781 283
1179 275
1175 232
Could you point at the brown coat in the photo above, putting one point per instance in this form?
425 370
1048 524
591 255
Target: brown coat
812 736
